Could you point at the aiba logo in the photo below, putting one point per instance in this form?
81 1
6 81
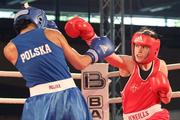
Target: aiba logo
93 80
95 104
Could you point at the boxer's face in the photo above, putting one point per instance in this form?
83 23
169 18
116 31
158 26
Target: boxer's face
141 52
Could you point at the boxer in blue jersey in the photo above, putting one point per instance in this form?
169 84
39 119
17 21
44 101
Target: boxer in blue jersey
39 53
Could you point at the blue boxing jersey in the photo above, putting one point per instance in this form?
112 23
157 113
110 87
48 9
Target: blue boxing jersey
39 60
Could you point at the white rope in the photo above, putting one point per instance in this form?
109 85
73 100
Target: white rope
12 100
119 99
18 74
75 76
111 100
175 66
10 74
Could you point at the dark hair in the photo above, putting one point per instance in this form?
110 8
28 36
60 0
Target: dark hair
21 24
149 32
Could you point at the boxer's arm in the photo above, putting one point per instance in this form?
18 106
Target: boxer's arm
165 98
101 47
161 85
163 67
77 60
118 61
78 27
123 62
10 53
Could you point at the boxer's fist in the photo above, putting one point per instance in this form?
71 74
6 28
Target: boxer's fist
78 27
160 85
100 48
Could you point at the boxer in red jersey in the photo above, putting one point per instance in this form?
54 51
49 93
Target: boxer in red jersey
148 84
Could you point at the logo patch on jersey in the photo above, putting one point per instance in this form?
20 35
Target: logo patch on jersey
37 51
138 39
133 88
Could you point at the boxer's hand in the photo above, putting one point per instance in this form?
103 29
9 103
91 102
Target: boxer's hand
160 85
100 48
78 27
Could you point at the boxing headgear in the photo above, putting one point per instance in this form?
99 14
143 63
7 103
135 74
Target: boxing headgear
146 40
35 15
51 24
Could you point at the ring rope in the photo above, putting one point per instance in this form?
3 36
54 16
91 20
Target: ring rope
19 75
111 100
12 100
75 76
78 75
119 99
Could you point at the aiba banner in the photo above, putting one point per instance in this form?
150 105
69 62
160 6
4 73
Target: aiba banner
95 88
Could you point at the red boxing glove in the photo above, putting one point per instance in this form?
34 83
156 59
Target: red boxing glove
160 84
78 27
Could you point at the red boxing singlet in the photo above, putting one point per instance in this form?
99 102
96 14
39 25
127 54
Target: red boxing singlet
138 94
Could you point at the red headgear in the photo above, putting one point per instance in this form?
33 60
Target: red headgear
145 40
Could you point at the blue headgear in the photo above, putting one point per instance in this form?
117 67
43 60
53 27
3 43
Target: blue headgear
35 15
51 24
